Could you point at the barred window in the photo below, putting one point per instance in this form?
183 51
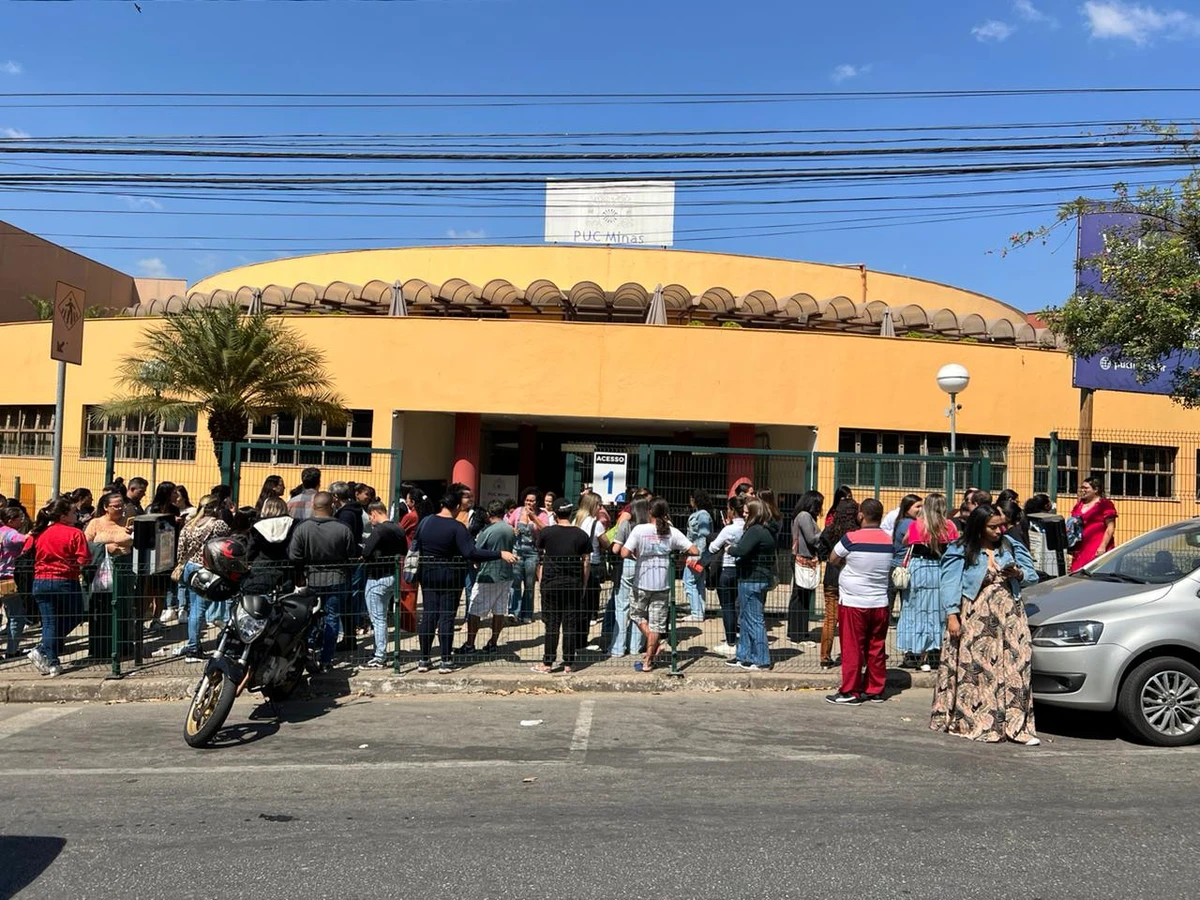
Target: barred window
134 436
1125 470
26 430
917 474
318 444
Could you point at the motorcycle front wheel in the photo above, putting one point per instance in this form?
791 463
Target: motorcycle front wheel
211 702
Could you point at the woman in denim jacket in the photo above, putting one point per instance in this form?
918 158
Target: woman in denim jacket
984 681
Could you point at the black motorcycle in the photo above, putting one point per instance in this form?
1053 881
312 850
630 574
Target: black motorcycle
263 647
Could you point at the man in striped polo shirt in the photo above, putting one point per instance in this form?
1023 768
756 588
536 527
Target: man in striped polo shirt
865 556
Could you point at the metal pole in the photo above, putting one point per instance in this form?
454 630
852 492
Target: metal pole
154 448
59 398
953 448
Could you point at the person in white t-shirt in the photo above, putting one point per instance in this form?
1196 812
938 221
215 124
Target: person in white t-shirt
865 558
651 546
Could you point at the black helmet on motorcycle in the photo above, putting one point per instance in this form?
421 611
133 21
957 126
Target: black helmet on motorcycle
227 557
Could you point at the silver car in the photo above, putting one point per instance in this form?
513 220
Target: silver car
1124 634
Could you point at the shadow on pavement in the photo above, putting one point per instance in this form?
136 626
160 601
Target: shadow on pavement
243 733
1079 724
25 858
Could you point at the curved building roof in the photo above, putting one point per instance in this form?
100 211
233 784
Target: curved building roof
611 284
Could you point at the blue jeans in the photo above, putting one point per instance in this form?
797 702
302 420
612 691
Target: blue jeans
379 593
14 605
727 593
693 589
60 603
335 597
196 606
752 642
520 604
622 627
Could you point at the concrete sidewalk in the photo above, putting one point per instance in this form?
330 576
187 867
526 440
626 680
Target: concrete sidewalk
32 688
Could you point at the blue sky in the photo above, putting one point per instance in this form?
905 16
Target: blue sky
559 46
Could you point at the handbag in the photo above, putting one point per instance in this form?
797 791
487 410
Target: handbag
806 573
901 577
177 572
412 560
8 587
103 579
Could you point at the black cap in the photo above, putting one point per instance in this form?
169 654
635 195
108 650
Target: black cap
563 507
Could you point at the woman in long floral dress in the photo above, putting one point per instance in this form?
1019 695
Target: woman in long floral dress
984 689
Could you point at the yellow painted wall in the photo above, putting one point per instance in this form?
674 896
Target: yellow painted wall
609 267
829 381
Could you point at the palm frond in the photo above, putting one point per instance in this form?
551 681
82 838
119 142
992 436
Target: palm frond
221 361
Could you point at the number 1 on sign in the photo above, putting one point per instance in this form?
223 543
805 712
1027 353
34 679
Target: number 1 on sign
608 476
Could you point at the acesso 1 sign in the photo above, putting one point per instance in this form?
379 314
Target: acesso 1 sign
630 213
608 475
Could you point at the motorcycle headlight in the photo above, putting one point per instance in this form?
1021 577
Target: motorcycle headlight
248 626
1067 634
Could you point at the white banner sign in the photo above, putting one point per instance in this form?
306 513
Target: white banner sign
608 475
637 213
496 487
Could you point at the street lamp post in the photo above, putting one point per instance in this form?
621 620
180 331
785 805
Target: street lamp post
953 379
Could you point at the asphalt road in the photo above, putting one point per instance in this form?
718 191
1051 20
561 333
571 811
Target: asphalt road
689 795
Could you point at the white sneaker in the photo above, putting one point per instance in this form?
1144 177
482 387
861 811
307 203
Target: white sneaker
169 617
54 671
38 661
725 649
1033 742
925 667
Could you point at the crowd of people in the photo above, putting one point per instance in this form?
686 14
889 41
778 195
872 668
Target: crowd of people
956 576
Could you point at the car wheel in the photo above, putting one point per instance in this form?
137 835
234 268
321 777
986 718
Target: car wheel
1160 702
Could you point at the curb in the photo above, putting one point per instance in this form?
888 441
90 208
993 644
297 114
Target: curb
134 689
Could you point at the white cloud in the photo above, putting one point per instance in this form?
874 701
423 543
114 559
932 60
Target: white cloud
470 234
9 67
845 72
148 203
14 133
993 30
1030 13
153 267
1140 24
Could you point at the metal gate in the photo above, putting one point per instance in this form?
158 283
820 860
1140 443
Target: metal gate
673 471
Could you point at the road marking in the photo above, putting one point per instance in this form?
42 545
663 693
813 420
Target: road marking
33 719
583 727
246 768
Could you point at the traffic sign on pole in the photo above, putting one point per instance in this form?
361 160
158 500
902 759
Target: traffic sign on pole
66 337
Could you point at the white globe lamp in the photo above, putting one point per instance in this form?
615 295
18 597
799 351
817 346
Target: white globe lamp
953 378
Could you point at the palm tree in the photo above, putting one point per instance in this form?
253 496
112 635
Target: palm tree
238 368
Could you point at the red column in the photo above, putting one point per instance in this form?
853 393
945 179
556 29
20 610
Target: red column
739 466
466 449
527 457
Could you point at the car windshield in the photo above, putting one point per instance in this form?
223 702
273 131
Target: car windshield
1161 556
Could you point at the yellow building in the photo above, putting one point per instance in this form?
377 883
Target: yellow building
509 365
